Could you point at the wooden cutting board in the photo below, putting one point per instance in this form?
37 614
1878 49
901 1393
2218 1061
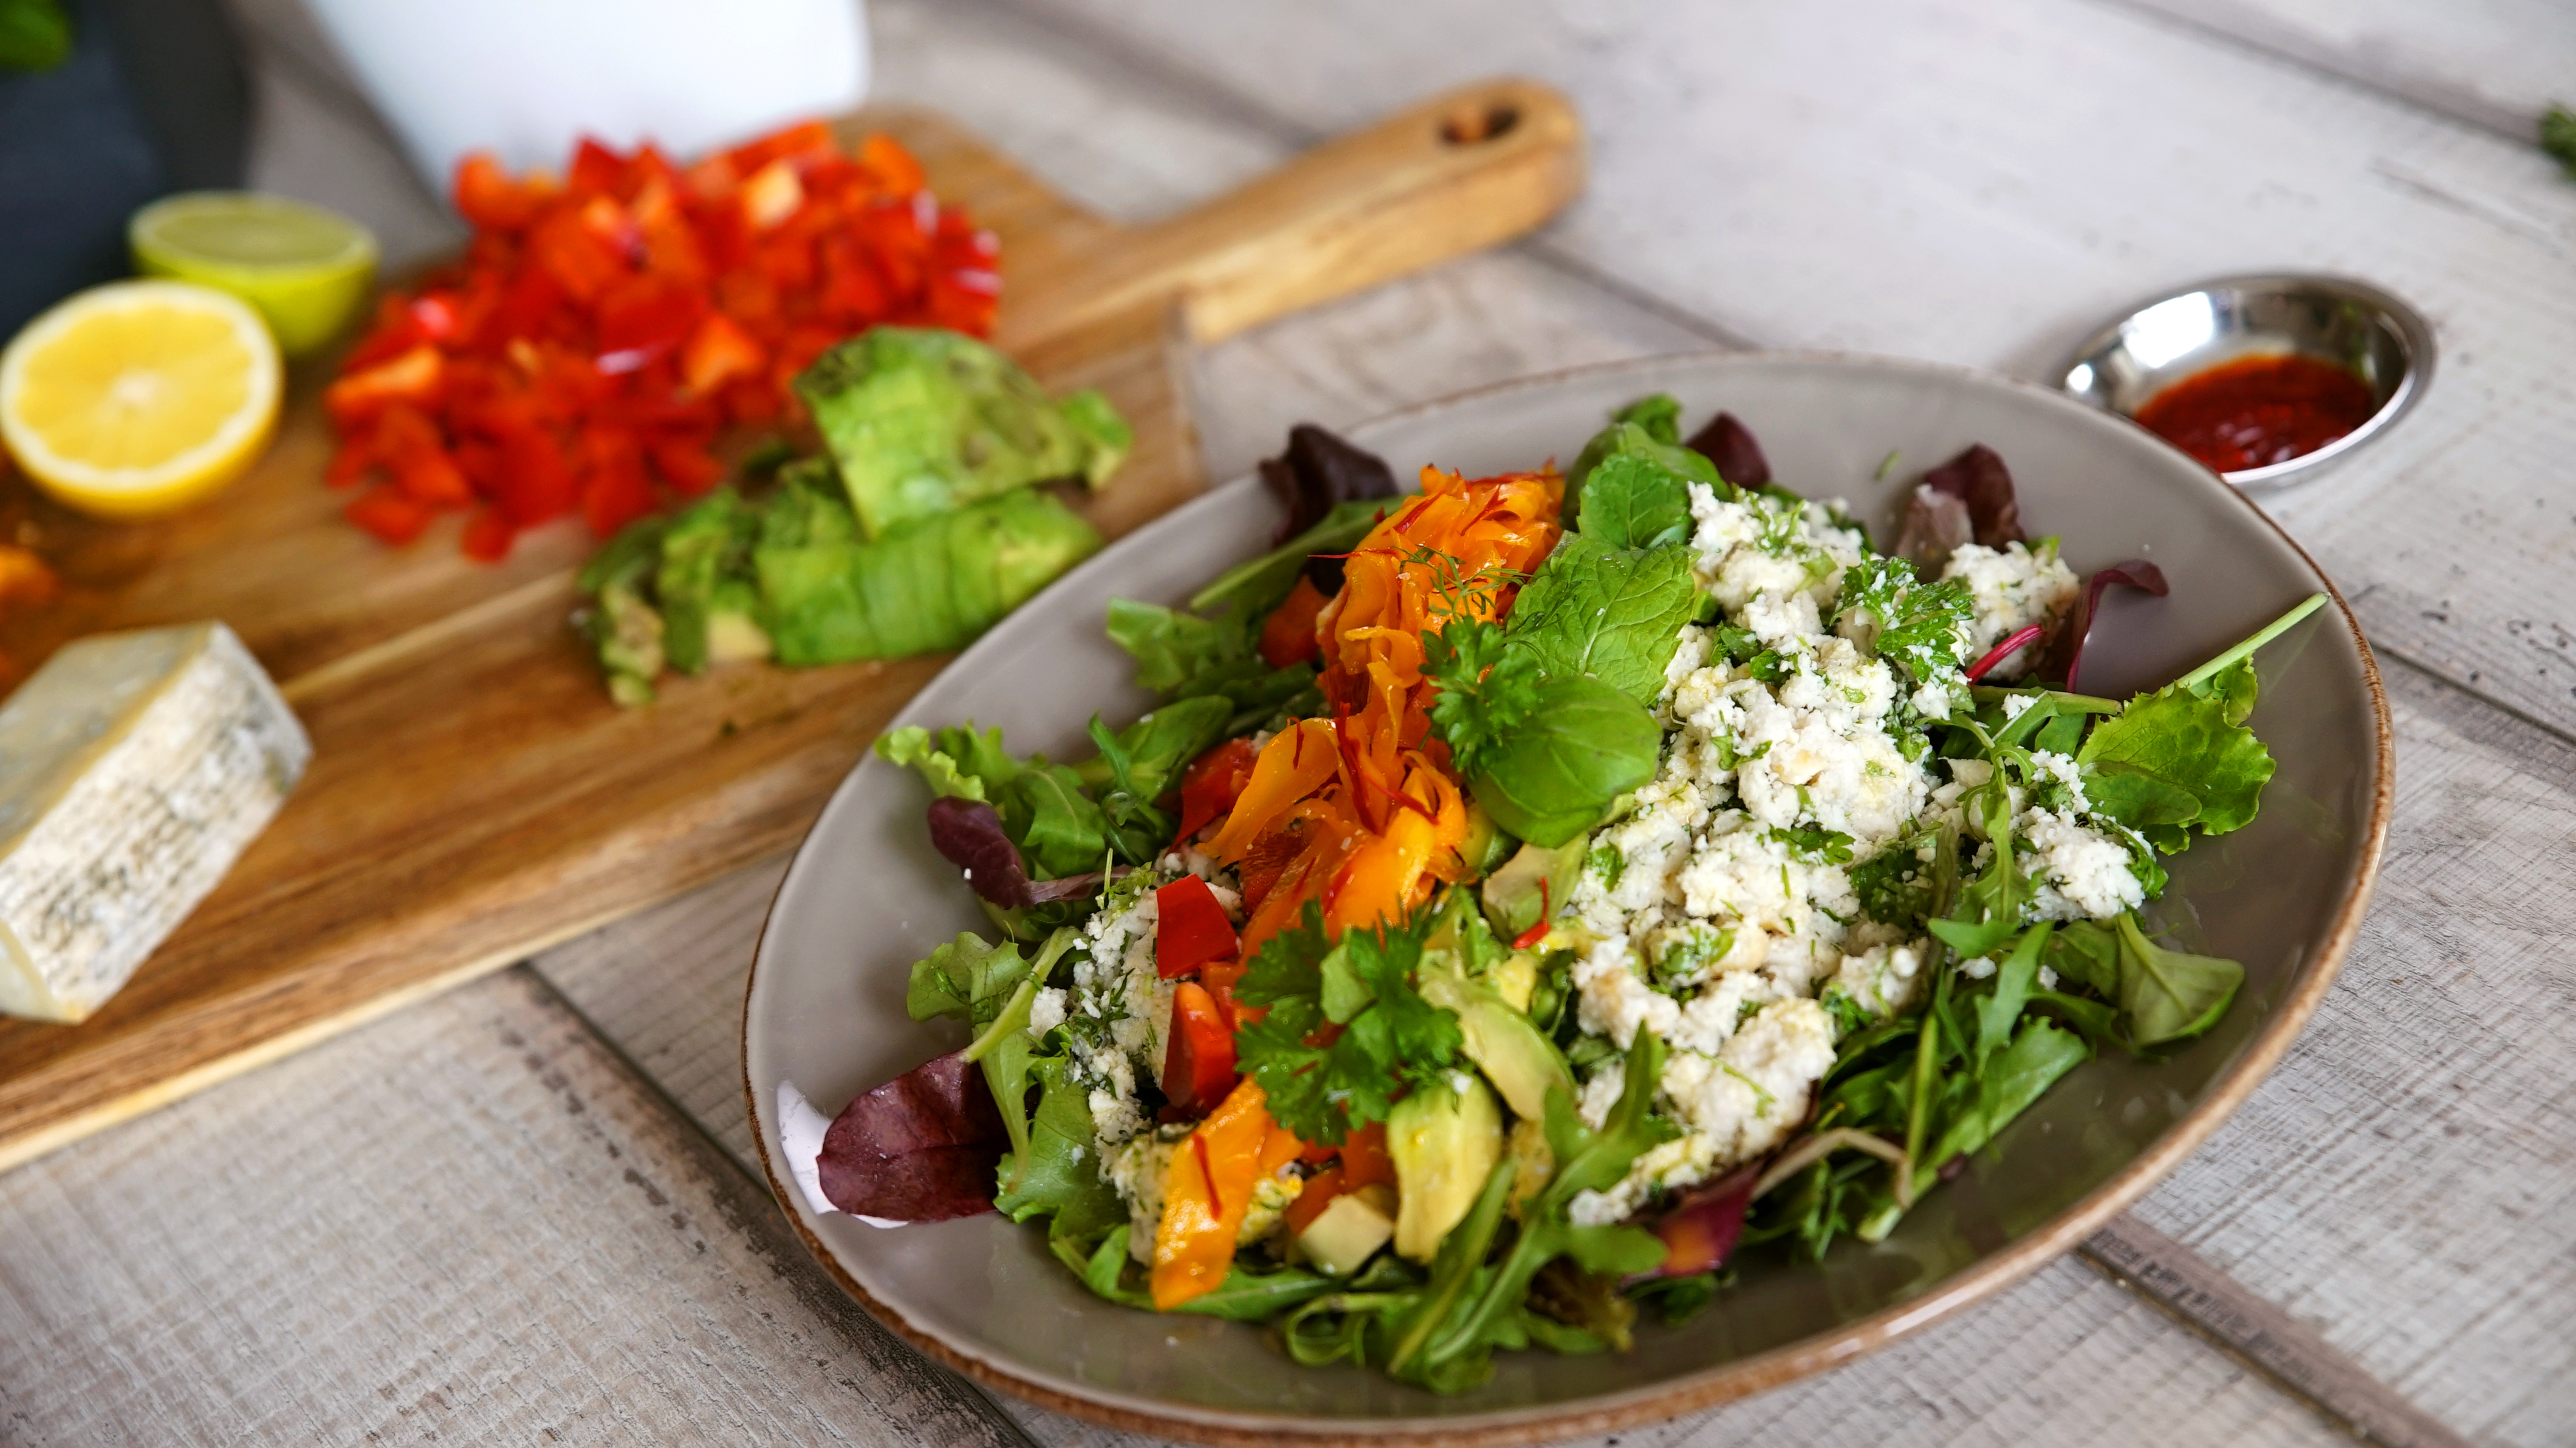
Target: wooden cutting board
474 797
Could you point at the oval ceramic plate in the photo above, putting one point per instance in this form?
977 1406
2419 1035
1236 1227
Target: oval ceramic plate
867 896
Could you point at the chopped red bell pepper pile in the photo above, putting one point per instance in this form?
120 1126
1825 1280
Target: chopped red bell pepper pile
602 330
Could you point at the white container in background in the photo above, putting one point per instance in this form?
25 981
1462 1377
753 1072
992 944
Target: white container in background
525 79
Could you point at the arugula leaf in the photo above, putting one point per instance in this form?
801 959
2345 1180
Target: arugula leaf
1052 1169
2168 995
2038 1055
1392 1037
1612 612
1184 656
1174 650
965 978
2176 748
1254 587
1146 758
2088 954
2014 980
1633 501
1058 827
1895 885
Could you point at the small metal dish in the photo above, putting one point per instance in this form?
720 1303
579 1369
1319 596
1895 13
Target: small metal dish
2351 324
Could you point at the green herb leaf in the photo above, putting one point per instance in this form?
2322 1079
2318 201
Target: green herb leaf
1633 501
1659 413
1609 611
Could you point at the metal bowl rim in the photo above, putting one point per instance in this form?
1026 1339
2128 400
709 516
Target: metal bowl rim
2414 335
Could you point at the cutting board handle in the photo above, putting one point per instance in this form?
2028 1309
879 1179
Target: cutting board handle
1454 174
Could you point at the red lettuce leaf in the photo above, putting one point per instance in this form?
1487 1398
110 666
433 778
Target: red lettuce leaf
1729 444
923 1147
2066 651
968 833
1979 479
1701 1229
1318 473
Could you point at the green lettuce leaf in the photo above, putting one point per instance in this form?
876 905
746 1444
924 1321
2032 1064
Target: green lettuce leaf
966 978
2178 760
1057 1174
2168 995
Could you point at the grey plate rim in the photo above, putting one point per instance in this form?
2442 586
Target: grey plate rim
1724 1383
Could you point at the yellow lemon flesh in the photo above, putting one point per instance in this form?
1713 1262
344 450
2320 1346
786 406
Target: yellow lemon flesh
306 269
138 398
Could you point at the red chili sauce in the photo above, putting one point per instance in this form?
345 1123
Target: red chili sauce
2256 411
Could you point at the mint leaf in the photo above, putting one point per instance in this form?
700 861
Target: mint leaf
1658 413
1633 501
1612 612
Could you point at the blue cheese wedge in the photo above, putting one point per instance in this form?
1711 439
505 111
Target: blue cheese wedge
134 769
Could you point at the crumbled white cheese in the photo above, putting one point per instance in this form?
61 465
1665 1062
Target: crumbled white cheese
2081 872
1046 1010
2011 588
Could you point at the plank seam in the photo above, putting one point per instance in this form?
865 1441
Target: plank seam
2260 1334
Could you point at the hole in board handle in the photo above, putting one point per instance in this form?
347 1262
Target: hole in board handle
1475 126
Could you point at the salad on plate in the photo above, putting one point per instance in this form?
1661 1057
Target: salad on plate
1532 891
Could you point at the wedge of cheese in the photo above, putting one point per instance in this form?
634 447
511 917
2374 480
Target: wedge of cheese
134 768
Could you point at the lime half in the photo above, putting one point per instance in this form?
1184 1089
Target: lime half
305 269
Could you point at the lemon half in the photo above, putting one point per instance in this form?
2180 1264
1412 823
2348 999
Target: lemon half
138 398
305 268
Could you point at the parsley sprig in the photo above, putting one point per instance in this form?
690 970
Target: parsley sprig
1324 1085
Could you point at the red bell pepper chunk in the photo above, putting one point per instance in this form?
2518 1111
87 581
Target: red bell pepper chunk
1320 1190
486 196
1190 929
389 513
1364 1158
487 537
412 376
1212 783
1198 1061
1288 635
718 352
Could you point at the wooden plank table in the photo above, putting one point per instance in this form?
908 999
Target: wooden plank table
518 1212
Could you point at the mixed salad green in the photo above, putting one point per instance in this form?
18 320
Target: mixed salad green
1535 890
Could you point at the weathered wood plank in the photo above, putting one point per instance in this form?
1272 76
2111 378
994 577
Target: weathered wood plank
1982 184
2496 63
468 1222
2402 1181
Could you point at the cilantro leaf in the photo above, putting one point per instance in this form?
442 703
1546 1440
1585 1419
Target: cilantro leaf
1921 628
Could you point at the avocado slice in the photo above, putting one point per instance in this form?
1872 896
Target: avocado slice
1347 1233
1522 1063
1444 1140
1513 895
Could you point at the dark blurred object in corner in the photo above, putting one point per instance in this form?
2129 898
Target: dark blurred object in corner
152 99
